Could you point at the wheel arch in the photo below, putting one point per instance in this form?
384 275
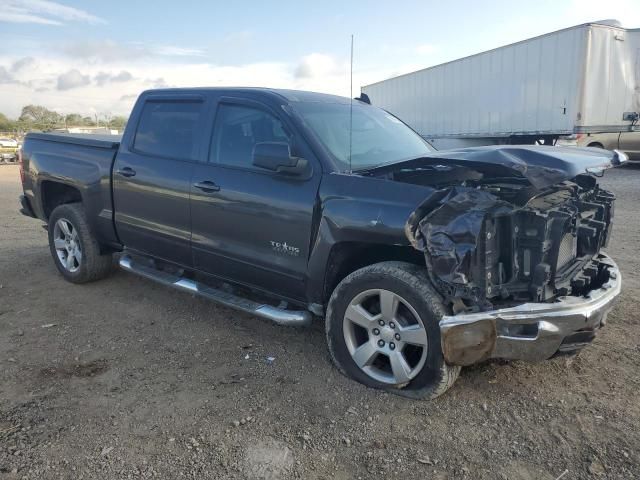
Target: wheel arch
348 256
54 193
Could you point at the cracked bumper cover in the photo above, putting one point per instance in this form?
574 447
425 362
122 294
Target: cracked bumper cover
531 331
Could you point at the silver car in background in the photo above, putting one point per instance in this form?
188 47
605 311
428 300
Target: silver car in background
628 142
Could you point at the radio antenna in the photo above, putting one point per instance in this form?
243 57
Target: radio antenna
351 107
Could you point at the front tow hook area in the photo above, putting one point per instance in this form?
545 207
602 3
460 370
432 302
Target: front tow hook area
531 331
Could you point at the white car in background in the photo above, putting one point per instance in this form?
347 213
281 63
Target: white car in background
8 149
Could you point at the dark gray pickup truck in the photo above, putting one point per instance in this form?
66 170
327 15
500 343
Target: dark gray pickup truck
292 205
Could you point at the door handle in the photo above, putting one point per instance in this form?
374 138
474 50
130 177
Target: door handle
126 172
207 186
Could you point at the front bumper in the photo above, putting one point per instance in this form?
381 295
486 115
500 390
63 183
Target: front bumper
531 331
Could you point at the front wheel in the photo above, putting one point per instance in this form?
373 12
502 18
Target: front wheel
383 330
74 249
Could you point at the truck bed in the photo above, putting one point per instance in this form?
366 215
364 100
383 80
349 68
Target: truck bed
86 139
82 163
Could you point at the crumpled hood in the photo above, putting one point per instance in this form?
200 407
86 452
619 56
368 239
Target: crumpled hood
542 165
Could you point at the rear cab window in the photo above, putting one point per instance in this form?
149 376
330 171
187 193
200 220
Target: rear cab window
169 128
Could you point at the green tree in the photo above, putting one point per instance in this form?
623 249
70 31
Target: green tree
118 122
6 125
40 117
73 120
37 117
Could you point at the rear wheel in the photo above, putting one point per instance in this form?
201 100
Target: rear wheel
74 249
383 330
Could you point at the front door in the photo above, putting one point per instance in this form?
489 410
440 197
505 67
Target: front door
250 225
152 178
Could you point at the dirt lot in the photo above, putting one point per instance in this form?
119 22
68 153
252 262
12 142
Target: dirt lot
125 379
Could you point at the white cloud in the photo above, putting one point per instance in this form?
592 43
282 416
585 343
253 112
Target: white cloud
103 78
111 51
317 65
22 64
101 51
16 16
12 73
44 12
72 79
173 51
73 84
5 75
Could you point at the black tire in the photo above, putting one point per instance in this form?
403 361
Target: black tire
410 282
596 145
93 265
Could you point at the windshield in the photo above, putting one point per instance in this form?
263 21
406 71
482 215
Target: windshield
377 136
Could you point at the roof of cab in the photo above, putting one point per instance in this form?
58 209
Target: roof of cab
288 95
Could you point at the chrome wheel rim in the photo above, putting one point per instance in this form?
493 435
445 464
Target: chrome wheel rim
67 245
385 336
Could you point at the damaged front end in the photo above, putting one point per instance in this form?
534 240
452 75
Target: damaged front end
516 257
484 248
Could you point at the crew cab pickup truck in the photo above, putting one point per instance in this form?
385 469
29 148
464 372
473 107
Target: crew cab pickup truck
294 205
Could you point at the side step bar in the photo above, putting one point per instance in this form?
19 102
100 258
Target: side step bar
291 318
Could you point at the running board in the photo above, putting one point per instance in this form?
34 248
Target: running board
290 318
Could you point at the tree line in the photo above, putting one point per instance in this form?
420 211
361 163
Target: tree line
37 117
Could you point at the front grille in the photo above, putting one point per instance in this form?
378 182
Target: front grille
566 250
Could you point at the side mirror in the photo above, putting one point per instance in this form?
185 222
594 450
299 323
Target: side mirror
276 156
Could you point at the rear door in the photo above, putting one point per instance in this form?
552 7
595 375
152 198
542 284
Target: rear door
152 177
251 225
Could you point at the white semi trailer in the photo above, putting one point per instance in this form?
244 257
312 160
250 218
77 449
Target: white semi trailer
577 80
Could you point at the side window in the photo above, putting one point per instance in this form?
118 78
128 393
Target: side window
237 129
169 129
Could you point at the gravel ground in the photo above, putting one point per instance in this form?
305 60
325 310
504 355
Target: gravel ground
124 378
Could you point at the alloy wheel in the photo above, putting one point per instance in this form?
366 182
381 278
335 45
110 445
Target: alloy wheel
67 245
385 336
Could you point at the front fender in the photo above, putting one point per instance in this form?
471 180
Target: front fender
363 210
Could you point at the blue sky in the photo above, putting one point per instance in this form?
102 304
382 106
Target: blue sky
95 57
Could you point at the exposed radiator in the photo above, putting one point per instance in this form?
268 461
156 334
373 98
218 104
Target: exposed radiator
566 251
